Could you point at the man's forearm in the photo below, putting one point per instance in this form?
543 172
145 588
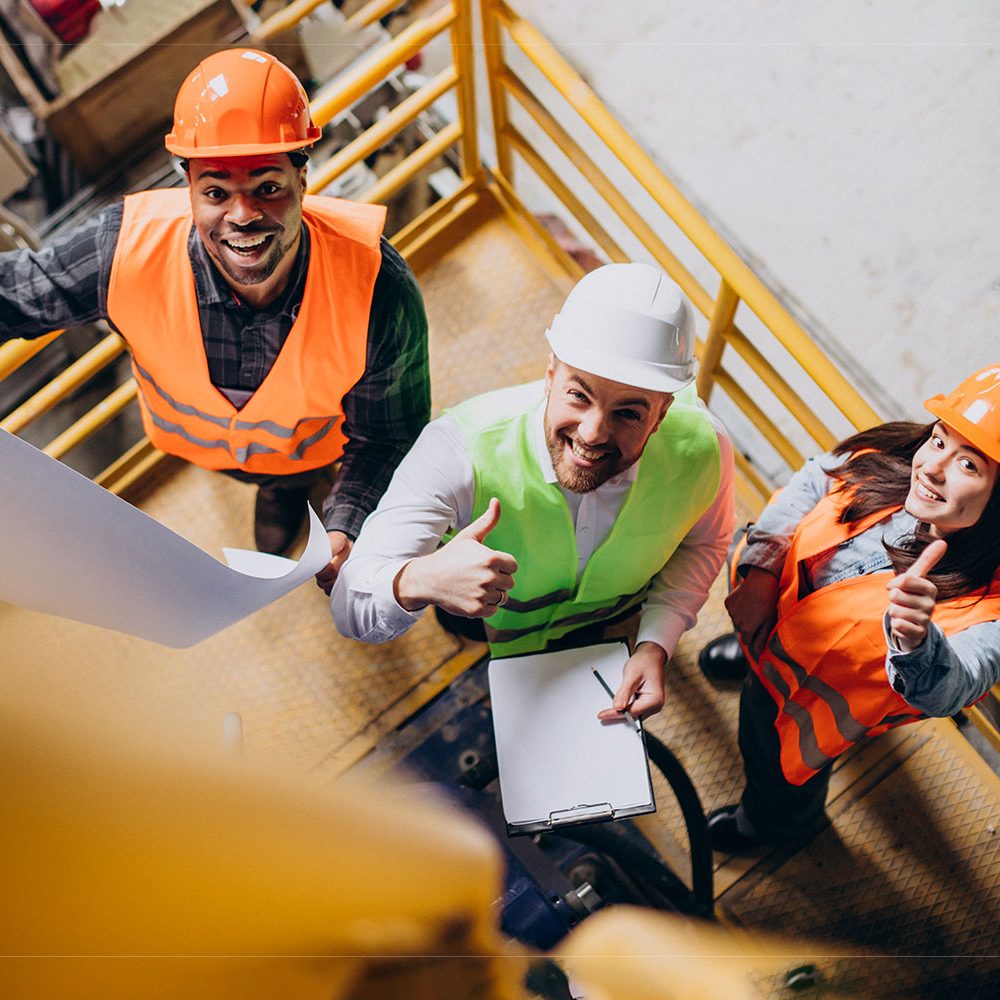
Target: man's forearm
364 476
61 285
384 413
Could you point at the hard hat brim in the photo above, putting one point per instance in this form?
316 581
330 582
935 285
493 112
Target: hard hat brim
628 371
977 436
247 149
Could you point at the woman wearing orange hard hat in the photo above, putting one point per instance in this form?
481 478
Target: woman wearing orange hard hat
866 596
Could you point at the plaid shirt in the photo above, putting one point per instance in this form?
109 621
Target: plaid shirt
66 284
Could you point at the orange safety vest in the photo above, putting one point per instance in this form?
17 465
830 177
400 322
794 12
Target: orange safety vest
824 663
294 420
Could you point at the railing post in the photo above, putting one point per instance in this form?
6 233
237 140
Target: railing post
465 63
493 45
719 323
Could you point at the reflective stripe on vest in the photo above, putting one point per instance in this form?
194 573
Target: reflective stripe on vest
824 663
677 481
240 454
293 422
559 627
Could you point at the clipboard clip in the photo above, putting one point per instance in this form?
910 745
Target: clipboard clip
581 814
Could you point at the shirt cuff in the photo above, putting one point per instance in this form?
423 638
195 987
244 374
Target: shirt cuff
662 626
346 518
904 667
391 615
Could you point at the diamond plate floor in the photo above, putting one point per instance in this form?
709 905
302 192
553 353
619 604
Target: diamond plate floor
909 869
488 305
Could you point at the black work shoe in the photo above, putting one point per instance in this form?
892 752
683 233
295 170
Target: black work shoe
725 834
723 660
278 516
727 837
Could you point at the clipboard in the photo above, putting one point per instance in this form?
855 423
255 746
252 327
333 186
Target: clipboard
559 765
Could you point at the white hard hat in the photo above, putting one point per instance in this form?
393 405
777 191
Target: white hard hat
629 323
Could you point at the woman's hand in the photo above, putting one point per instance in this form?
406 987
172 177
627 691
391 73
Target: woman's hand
753 607
912 597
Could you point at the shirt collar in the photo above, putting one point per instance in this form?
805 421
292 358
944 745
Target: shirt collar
536 423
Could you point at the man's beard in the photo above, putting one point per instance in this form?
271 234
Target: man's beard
265 271
277 253
572 477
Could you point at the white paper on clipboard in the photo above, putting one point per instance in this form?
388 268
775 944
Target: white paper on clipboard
558 763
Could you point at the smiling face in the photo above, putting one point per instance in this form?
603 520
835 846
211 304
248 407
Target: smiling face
596 428
248 212
950 482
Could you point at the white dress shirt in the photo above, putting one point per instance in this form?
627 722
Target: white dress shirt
433 490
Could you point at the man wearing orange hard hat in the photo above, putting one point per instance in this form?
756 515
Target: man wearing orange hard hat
272 333
866 596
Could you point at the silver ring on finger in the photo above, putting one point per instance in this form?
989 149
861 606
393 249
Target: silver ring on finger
501 600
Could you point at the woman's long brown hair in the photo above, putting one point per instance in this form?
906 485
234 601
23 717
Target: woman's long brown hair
880 478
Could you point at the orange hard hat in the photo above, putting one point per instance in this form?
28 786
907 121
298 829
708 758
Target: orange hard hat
240 102
973 409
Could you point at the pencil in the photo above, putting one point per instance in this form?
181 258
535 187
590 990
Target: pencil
604 684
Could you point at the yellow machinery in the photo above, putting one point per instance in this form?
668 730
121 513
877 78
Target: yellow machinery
911 864
134 865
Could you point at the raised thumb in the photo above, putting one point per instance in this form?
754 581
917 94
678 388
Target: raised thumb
929 558
483 524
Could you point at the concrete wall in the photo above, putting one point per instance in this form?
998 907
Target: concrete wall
849 151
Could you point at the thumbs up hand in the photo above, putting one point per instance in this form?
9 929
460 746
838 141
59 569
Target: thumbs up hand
464 577
912 596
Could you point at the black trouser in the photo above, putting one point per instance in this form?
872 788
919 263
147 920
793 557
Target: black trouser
270 480
777 809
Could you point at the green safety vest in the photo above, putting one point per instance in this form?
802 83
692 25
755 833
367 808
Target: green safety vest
677 481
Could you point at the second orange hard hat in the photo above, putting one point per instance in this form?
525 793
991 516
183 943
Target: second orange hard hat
240 102
973 409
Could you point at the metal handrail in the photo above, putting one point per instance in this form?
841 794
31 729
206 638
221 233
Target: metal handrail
93 420
382 131
562 190
604 186
404 171
361 78
71 378
15 353
289 18
737 282
739 277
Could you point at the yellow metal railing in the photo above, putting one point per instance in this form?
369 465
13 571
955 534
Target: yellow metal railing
502 25
16 352
289 18
737 282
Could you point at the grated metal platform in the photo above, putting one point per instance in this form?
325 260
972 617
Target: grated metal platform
909 869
